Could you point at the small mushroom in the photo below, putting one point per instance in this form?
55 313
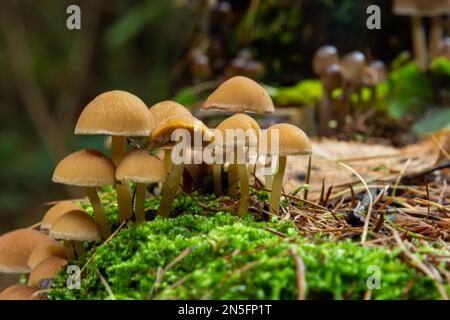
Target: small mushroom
55 212
251 131
353 65
161 136
324 57
46 270
44 251
73 228
119 114
16 247
18 292
291 141
237 94
140 167
331 79
89 169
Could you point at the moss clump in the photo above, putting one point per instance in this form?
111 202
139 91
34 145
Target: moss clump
225 257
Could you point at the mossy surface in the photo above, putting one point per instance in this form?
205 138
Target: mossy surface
221 256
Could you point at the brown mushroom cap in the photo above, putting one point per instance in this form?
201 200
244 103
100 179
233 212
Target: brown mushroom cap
380 68
167 109
18 292
46 269
426 8
331 77
238 121
162 134
353 65
240 94
324 57
75 225
292 140
44 251
140 166
15 248
55 212
116 113
85 168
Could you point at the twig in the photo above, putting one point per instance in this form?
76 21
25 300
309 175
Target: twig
107 287
301 278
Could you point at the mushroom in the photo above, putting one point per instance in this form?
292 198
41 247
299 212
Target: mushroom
251 131
55 212
291 141
89 169
119 114
45 270
140 167
161 112
324 57
44 251
16 247
418 9
18 292
331 79
237 94
73 228
161 136
352 65
374 74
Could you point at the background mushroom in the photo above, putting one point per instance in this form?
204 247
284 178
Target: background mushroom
248 126
331 79
89 169
352 65
75 226
292 141
140 167
16 247
119 114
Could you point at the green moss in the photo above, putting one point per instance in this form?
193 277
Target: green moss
226 257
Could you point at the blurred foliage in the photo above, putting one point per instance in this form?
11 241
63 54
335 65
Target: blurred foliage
305 92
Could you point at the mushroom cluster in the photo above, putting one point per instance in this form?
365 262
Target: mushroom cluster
351 74
66 229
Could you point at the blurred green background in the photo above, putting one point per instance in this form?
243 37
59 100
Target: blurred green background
161 49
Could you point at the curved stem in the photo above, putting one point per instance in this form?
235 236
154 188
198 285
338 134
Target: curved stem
68 247
167 159
435 34
268 178
243 177
217 174
233 175
79 249
99 212
277 186
169 189
117 149
308 176
139 203
419 42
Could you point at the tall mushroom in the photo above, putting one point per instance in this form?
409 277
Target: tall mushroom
119 114
162 137
331 79
89 169
16 247
291 141
352 65
140 167
75 226
238 94
248 137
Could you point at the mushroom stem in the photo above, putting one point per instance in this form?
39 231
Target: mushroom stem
268 178
169 189
419 42
167 160
233 175
79 249
308 176
68 246
277 186
217 174
324 113
99 212
122 188
243 177
435 34
139 203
